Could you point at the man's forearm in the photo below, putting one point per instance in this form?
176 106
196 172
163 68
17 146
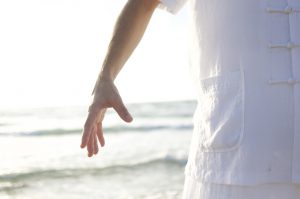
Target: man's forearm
128 31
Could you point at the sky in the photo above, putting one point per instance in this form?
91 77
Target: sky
51 52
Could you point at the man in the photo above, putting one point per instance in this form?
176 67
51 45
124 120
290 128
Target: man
246 66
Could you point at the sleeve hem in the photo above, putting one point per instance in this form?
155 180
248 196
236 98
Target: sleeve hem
170 6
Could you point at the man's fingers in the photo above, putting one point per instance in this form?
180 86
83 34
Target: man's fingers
85 137
122 111
96 148
88 126
90 146
100 134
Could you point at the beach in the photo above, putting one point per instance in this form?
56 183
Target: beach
41 158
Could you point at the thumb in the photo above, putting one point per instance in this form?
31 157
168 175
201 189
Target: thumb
122 111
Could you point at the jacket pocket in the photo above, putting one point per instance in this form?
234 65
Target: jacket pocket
220 115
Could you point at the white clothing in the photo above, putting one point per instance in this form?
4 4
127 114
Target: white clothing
197 190
246 65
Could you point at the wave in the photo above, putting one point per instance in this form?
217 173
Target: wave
17 178
44 132
115 129
178 109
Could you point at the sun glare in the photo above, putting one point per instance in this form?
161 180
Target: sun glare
51 53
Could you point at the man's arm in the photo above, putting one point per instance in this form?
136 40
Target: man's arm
129 30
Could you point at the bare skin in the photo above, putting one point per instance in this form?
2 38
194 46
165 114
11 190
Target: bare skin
128 32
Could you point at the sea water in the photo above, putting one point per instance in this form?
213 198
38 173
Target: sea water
40 157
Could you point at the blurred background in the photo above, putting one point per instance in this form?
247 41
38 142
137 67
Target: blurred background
50 55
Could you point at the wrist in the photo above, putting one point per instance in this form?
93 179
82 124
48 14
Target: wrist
105 78
107 74
102 80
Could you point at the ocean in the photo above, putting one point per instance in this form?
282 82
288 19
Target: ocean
40 155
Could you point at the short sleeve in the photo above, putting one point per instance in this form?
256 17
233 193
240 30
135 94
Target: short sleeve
172 6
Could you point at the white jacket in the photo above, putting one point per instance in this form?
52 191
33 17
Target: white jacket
246 64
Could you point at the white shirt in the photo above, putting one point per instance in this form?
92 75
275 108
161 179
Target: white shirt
246 65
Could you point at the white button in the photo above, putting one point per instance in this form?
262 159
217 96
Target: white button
290 45
288 10
269 9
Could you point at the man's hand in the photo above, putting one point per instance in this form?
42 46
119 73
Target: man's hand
129 29
106 96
